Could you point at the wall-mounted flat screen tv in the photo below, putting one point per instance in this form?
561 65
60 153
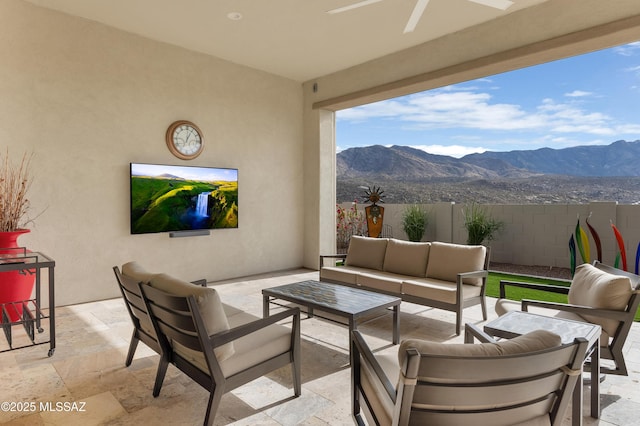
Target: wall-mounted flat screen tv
168 198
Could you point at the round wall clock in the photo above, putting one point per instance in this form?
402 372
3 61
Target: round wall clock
184 140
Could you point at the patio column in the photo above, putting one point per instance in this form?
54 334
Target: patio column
319 185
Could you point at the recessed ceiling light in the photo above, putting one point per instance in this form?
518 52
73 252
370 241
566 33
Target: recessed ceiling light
234 16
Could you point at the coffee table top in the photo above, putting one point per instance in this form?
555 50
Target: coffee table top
516 323
333 297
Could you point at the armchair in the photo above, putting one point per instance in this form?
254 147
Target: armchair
218 352
525 380
599 294
132 274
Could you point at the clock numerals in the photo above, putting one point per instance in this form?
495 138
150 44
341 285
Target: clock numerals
184 140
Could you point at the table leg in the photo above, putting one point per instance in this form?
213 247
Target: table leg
265 306
396 324
595 380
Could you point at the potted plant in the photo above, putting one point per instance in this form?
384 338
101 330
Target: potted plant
414 222
480 225
15 181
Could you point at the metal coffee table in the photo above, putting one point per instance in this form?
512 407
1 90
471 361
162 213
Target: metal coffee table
347 302
515 323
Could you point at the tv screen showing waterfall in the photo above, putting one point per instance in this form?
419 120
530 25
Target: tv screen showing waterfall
181 198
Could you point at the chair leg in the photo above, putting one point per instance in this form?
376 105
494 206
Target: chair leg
483 304
162 370
132 348
215 396
296 357
297 382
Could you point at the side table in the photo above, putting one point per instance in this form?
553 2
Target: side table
32 314
516 323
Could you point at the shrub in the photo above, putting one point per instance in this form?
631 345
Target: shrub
414 222
480 224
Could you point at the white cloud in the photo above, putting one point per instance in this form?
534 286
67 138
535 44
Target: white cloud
456 151
628 49
474 110
578 94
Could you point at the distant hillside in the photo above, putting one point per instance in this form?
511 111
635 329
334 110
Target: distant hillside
617 159
571 175
406 163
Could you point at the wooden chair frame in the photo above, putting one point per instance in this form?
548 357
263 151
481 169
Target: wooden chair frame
178 319
613 350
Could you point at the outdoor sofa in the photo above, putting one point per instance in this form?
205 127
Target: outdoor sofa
436 274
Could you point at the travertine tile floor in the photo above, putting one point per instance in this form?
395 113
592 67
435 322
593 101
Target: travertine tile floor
92 340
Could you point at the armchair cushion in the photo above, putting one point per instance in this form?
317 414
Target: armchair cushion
209 303
406 258
447 260
366 252
531 342
598 289
137 272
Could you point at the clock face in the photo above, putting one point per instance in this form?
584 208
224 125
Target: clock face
184 140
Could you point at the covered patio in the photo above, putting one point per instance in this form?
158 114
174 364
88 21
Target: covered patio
89 368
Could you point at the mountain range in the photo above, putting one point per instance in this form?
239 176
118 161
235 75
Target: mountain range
576 174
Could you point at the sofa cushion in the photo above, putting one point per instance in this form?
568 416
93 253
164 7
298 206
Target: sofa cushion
383 281
447 260
531 342
366 252
209 303
442 291
406 257
593 287
137 272
341 274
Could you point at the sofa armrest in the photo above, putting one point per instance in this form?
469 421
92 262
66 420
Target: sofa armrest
227 336
360 348
474 274
483 273
331 256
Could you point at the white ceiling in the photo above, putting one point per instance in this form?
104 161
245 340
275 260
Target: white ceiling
295 39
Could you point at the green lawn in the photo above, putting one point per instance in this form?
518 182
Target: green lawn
515 293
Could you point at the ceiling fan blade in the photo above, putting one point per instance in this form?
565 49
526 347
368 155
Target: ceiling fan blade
418 10
353 6
498 4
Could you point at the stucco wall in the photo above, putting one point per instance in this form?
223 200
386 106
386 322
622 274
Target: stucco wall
533 234
88 100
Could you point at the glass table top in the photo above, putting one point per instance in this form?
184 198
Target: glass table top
334 296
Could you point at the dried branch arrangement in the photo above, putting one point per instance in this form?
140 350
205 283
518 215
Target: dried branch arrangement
15 181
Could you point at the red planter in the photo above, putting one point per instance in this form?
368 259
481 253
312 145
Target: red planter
14 285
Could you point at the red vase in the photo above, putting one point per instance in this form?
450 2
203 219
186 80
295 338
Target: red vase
14 285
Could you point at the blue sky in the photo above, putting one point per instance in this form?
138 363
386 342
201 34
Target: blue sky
185 172
592 99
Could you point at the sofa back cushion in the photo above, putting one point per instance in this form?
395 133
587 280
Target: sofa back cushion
366 252
208 302
406 258
447 260
598 289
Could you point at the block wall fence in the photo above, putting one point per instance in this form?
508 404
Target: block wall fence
533 234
